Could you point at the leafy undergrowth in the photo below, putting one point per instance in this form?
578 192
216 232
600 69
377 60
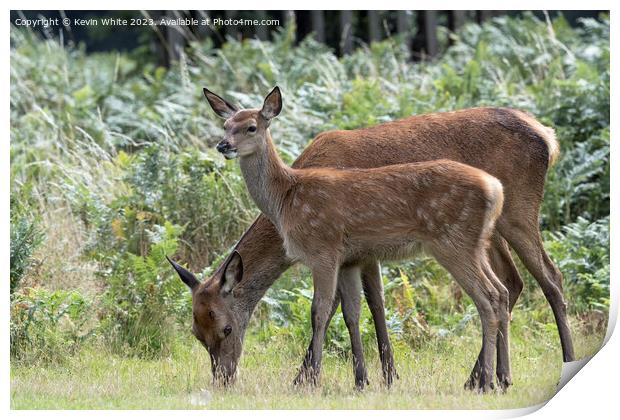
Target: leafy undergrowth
431 377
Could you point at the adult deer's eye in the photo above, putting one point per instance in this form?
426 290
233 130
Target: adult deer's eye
227 330
252 129
212 314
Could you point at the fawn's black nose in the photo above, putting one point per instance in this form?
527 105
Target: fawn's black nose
223 146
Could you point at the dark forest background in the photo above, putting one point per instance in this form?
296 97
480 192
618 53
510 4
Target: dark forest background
424 32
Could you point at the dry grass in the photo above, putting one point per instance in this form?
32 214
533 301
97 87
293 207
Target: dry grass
430 378
59 264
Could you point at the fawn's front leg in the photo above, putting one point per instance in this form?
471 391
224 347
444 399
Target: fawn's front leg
333 310
324 279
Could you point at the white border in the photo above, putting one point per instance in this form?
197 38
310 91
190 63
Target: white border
591 394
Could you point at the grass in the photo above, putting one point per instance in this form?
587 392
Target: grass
431 377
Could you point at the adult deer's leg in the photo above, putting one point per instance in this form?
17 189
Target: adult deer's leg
506 271
324 278
523 236
349 288
373 290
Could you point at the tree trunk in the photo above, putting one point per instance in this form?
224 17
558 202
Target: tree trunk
374 26
230 30
430 32
260 31
346 32
458 19
484 15
175 41
318 25
403 26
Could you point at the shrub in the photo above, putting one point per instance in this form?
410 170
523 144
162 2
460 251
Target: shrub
47 327
26 236
581 251
579 185
144 302
205 197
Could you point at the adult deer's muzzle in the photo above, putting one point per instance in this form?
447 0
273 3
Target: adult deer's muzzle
224 370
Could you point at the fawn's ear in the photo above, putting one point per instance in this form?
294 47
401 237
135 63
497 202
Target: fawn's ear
233 273
187 277
221 107
272 105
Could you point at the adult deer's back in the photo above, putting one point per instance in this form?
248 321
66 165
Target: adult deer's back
492 139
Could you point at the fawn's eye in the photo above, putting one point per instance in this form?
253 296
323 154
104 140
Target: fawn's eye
252 129
227 330
212 314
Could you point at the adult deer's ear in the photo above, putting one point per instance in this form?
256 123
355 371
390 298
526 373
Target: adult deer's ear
233 273
272 105
187 277
221 107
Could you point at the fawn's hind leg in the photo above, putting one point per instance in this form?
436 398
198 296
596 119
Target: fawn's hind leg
503 372
467 270
504 269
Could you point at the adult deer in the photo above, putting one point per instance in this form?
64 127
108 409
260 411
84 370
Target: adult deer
331 217
510 145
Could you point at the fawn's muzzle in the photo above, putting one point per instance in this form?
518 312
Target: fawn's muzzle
225 148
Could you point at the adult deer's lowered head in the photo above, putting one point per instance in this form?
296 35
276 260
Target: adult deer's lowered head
215 324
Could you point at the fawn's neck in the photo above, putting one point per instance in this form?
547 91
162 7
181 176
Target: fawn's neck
267 178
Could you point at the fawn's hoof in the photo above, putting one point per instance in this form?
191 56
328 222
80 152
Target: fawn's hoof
361 380
504 382
479 383
472 382
484 386
306 378
389 376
